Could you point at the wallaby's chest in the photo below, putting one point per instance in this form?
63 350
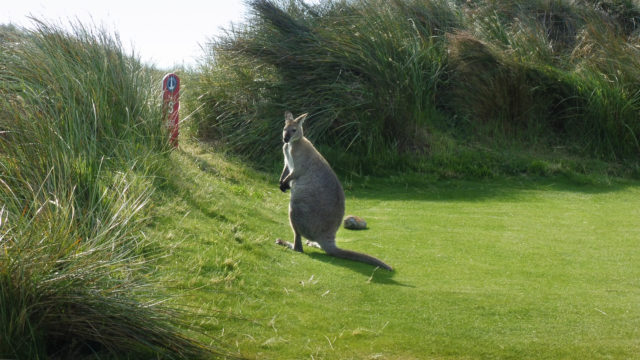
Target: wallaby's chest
288 158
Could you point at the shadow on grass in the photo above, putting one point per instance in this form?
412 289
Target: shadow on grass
408 188
374 274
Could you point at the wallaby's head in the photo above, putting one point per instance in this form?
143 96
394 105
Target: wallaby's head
292 127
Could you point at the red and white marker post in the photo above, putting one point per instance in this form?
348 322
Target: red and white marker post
171 105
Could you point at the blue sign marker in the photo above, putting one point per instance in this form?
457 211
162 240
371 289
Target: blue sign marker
171 83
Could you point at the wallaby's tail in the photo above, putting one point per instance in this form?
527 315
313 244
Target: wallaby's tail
353 255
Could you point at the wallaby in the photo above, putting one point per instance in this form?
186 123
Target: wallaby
316 207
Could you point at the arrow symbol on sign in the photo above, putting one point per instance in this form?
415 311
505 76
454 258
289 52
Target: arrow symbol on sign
171 83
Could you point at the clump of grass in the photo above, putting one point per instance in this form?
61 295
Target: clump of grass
565 74
80 139
69 291
382 80
366 74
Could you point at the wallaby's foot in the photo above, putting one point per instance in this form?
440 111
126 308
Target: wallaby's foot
284 243
287 245
284 186
313 244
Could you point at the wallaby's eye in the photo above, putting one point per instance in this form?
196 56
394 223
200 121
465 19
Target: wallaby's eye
293 130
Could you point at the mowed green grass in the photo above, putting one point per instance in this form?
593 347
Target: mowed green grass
511 268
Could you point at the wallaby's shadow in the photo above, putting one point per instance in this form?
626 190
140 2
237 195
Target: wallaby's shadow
378 276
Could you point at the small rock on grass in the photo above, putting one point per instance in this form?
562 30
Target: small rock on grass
354 223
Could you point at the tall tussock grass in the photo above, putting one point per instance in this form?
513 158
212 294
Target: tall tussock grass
383 79
80 140
567 70
356 69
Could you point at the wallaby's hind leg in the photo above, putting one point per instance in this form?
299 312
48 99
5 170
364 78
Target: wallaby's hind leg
296 246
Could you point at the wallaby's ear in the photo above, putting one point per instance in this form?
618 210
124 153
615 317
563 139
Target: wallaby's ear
300 119
288 116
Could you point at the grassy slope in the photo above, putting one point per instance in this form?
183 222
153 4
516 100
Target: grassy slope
508 268
80 139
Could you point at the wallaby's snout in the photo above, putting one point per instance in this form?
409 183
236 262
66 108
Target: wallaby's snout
289 133
286 136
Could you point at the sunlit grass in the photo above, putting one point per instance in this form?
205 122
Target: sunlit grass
510 268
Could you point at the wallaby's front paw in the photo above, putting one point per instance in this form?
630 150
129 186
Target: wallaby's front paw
284 186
